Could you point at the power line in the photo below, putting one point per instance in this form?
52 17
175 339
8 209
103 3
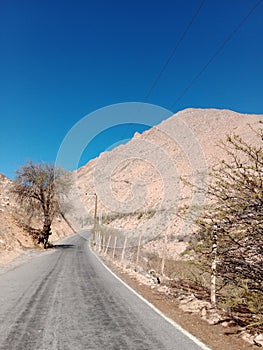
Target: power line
216 53
174 51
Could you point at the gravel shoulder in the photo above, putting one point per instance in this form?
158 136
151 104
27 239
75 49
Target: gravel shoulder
213 335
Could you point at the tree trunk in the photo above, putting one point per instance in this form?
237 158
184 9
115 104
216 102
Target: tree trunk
46 231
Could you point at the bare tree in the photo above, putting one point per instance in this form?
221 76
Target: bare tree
40 186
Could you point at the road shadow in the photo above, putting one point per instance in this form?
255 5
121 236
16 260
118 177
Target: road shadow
63 246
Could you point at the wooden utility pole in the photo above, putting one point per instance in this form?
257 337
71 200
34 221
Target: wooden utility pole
95 217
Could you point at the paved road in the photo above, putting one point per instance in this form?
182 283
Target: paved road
66 299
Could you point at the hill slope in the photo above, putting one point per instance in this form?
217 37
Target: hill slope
139 185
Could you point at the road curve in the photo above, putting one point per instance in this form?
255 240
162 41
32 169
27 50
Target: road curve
66 299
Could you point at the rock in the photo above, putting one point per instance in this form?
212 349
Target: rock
248 338
203 312
213 318
164 289
258 340
230 323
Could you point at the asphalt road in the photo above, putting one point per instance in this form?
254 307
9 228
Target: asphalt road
66 299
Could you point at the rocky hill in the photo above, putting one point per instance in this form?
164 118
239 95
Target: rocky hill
139 185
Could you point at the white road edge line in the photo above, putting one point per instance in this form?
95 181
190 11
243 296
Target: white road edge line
173 323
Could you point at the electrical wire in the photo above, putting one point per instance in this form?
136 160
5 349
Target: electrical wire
216 53
174 51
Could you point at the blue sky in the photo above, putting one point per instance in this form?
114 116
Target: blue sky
61 60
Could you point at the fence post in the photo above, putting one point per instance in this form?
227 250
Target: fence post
123 249
138 251
164 252
99 242
102 243
107 247
114 248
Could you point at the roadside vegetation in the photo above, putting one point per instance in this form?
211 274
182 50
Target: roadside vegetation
228 243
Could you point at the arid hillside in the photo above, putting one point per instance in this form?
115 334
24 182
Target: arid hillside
139 185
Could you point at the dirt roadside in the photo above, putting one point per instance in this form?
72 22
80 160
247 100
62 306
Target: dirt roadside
215 336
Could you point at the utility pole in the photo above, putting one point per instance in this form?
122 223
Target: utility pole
95 217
